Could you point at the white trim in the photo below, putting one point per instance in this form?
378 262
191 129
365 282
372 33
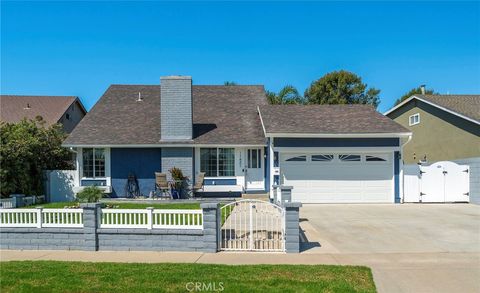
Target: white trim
336 150
108 175
338 135
261 120
413 116
432 104
162 145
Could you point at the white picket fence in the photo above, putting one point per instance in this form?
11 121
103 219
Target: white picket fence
152 219
38 218
110 218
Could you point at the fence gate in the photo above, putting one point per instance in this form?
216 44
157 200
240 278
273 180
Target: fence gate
252 225
440 182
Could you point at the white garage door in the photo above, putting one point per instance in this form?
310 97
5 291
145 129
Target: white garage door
338 178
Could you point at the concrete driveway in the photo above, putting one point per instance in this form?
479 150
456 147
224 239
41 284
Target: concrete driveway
410 247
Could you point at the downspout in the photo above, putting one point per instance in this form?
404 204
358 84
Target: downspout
401 169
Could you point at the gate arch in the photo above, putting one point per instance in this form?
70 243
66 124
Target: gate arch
252 225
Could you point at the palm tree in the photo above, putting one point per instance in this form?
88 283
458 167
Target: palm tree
286 96
229 83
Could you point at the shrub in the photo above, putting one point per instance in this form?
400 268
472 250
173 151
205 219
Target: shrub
90 194
28 148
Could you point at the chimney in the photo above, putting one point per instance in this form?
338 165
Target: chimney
176 107
422 89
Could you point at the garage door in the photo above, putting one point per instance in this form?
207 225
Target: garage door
338 178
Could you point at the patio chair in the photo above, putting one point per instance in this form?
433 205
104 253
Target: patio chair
161 184
199 183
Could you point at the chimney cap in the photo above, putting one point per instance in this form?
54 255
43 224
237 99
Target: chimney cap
182 77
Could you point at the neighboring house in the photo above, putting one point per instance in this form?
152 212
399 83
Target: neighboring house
445 128
337 153
65 110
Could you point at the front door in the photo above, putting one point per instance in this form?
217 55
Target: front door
254 169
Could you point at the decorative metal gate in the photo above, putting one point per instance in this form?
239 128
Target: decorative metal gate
252 225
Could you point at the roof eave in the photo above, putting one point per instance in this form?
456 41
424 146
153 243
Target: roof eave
339 135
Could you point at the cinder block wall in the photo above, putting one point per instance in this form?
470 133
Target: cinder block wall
42 239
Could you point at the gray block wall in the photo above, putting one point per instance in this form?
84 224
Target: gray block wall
92 238
42 239
178 157
176 108
474 164
292 228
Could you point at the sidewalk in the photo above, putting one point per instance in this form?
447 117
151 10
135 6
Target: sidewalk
393 272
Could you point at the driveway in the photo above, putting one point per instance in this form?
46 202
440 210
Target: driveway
410 247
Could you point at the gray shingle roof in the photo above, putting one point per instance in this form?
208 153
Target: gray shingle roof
327 119
13 108
467 105
221 115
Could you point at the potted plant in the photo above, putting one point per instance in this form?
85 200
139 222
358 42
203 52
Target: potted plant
178 184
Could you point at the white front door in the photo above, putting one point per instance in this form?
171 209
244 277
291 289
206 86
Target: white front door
254 169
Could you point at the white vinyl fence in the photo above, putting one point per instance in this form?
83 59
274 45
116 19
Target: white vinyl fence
152 219
110 218
38 218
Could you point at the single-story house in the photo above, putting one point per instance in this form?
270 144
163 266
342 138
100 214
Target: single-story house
66 110
328 153
445 128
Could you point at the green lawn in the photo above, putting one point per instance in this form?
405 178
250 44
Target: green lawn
52 276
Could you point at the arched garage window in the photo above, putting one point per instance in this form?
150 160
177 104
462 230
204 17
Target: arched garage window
322 158
375 158
349 158
297 159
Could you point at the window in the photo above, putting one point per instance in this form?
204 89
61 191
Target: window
297 159
375 159
322 158
349 158
93 163
217 162
254 159
414 119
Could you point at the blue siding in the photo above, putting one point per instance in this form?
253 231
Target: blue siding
220 181
143 162
337 142
396 171
93 182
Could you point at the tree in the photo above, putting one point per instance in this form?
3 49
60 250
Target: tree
27 149
341 87
229 83
415 91
287 95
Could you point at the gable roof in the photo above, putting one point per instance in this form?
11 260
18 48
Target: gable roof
221 115
327 120
464 106
14 108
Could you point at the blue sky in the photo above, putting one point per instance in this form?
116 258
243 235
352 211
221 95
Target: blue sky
80 48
